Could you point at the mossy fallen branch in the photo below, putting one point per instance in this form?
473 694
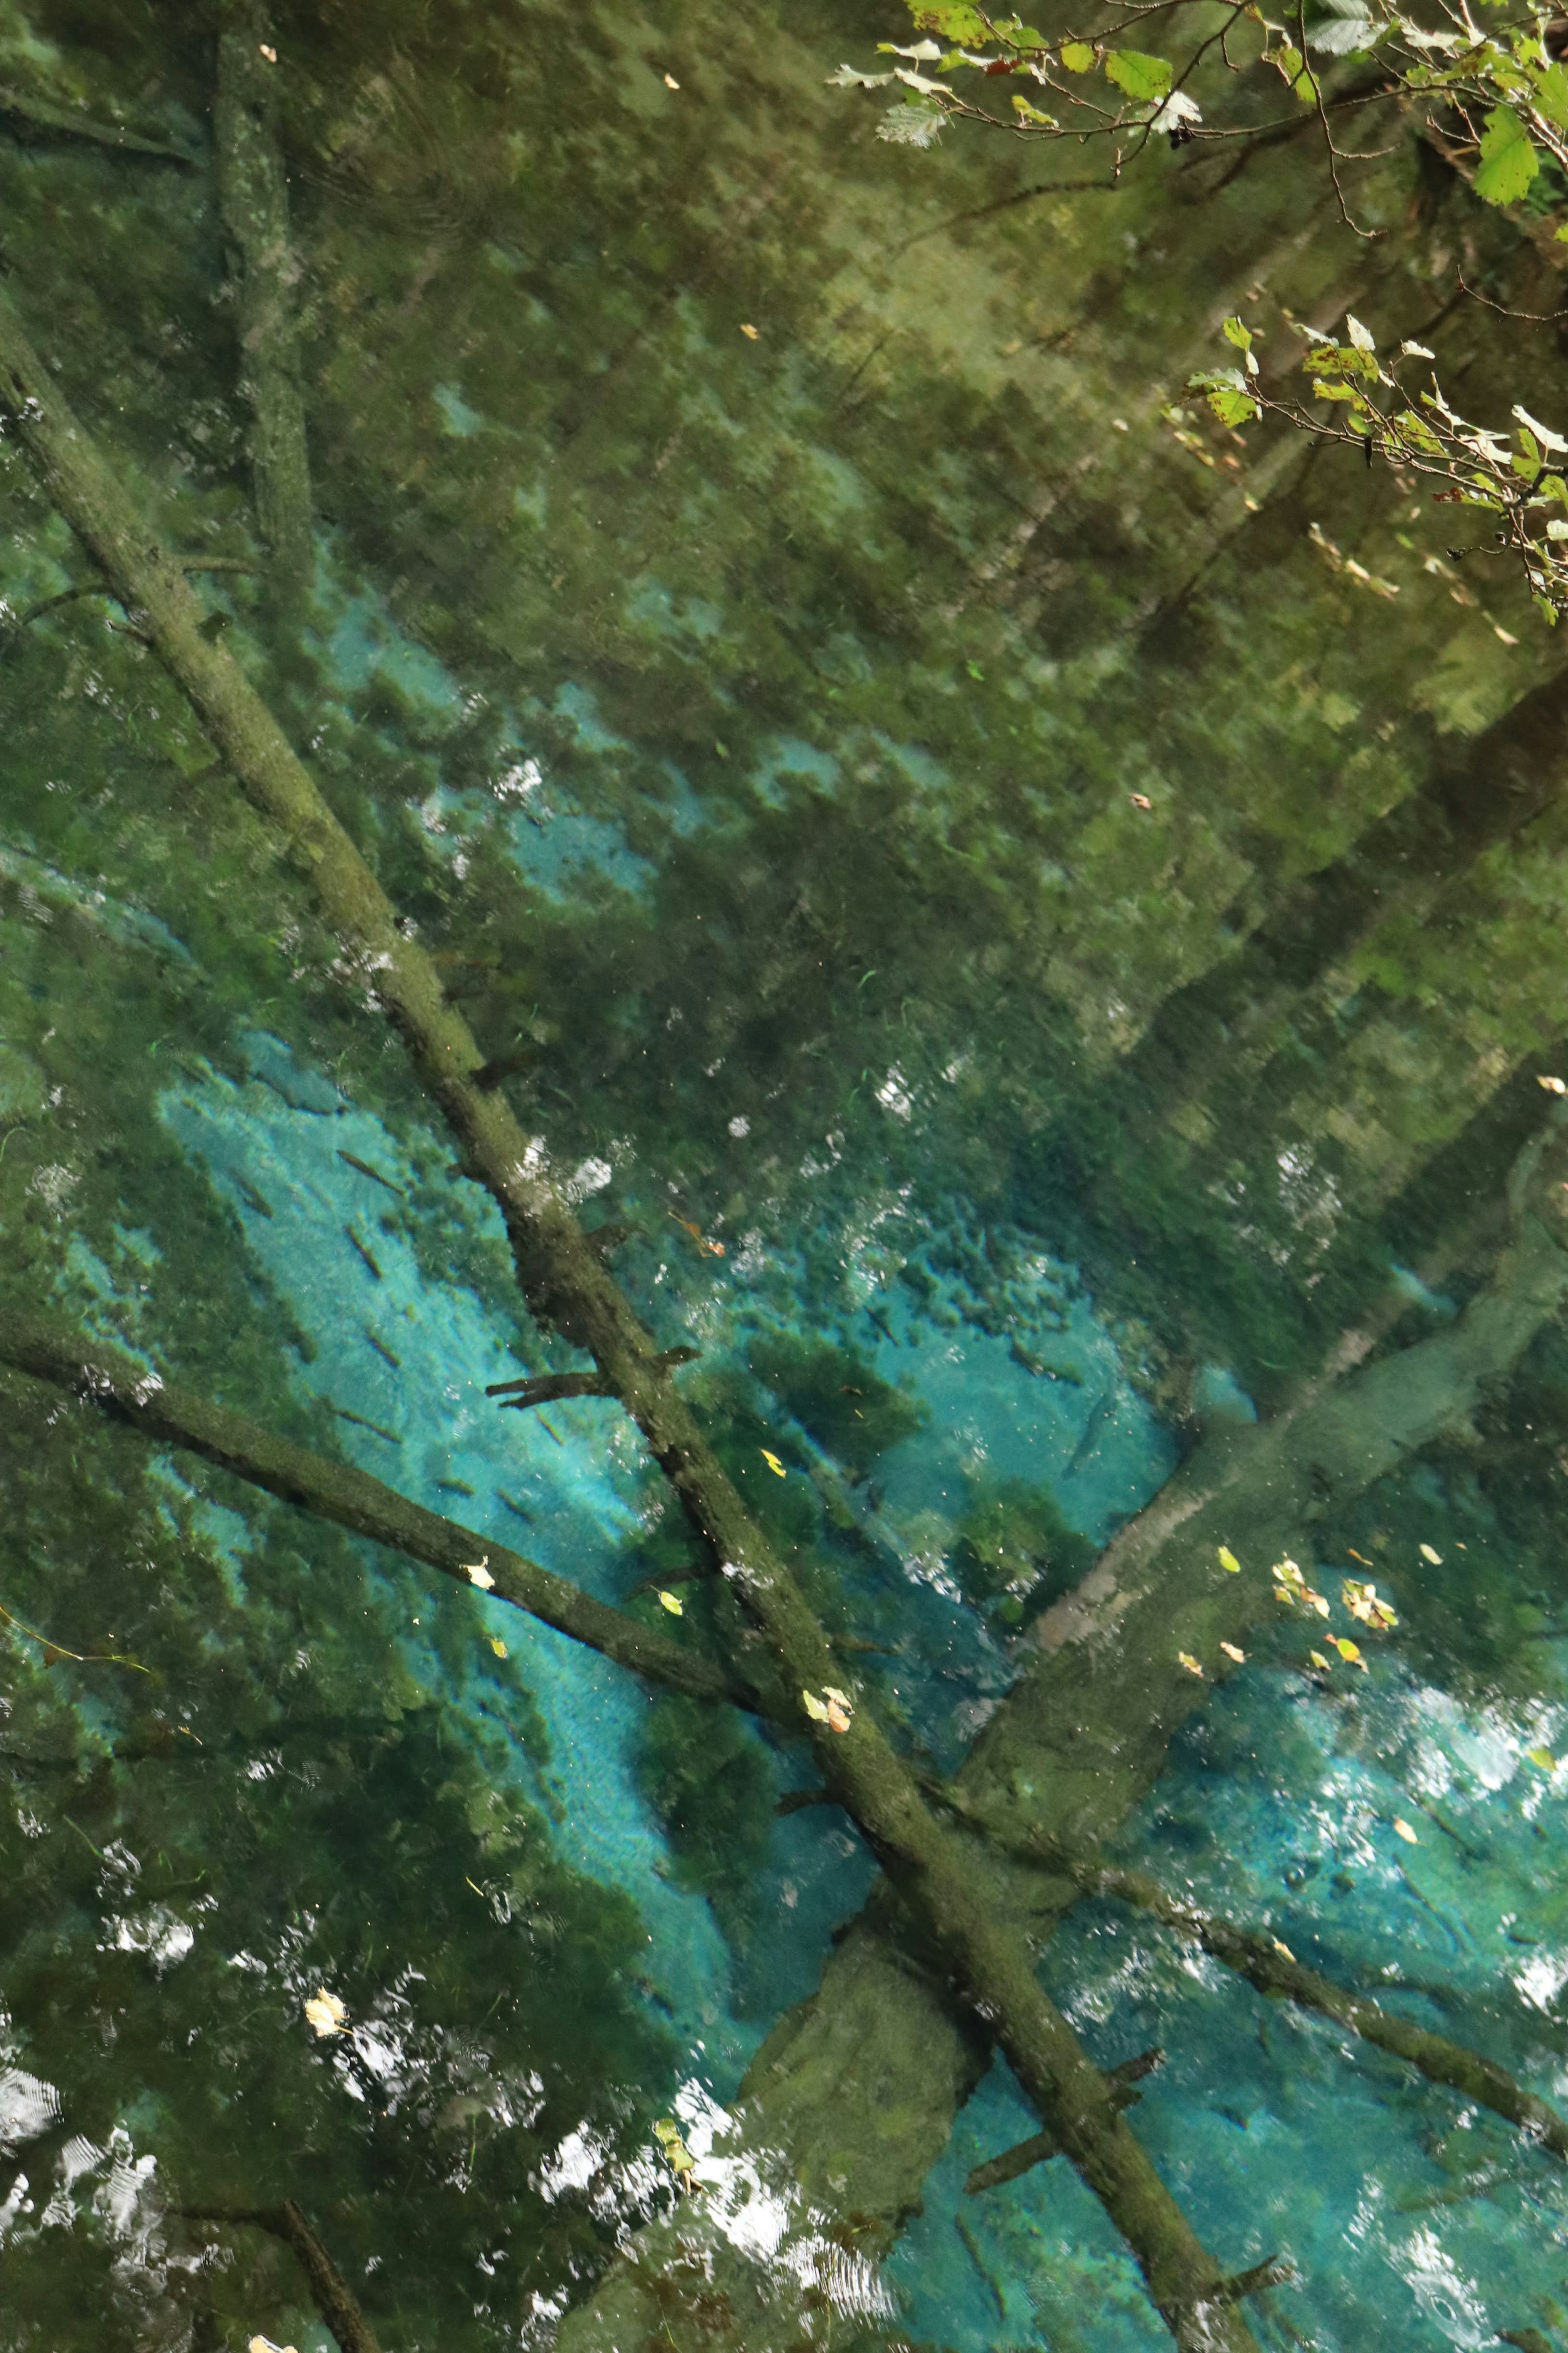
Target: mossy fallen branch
329 2292
253 200
168 1415
988 1962
1261 1959
34 119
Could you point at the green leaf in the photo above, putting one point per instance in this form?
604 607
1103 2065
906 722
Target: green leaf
1077 57
959 23
1227 396
1027 113
1237 332
1551 95
1508 160
1138 74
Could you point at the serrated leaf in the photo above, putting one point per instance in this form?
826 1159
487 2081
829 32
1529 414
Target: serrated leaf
1344 37
1137 74
1360 336
919 53
955 20
1508 159
1544 433
846 77
1551 95
1077 57
1238 331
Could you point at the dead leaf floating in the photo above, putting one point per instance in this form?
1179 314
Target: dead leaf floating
1360 1598
326 2014
498 1646
834 1709
1228 1561
673 1603
774 1465
270 54
1319 1660
752 334
1404 1831
1553 1086
1186 1659
1435 1558
1542 1759
1291 1587
265 2344
477 1573
1283 1949
670 82
1231 1652
1348 1650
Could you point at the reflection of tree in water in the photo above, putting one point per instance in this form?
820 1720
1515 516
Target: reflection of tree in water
345 1822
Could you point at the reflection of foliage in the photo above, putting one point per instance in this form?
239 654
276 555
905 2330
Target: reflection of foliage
1492 102
1015 1551
1524 487
837 1397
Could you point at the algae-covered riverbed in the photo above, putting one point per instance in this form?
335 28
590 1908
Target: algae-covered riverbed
645 749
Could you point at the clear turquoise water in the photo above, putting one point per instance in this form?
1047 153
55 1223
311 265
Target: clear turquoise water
751 725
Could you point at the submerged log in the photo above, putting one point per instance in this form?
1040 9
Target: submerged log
984 1959
168 1415
253 200
852 2097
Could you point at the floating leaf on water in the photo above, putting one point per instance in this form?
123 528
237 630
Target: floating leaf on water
673 1603
1358 1555
677 2156
1140 800
1231 1652
840 1708
1228 1560
1291 1587
498 1646
265 2344
1348 1650
1284 1949
1553 1086
1404 1831
752 334
1361 1599
1189 1663
1318 1659
1543 1758
670 82
326 2014
774 1465
477 1573
1435 1558
815 1708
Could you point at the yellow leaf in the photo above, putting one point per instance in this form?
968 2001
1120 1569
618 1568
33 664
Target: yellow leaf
1404 1831
1435 1558
774 1465
842 1698
265 2344
1553 1086
673 1603
1318 1659
1231 1652
815 1708
1189 1663
837 1717
326 2013
1348 1650
1278 1947
477 1573
1543 1758
670 82
1227 1559
498 1646
751 331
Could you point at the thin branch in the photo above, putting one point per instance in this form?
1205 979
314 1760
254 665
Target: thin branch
44 122
169 1416
330 2290
1530 318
